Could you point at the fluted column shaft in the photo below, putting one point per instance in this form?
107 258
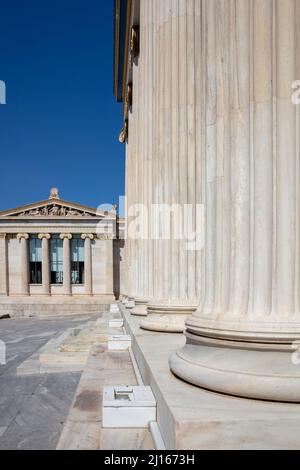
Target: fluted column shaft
45 237
88 263
250 274
174 162
252 254
143 104
24 263
67 289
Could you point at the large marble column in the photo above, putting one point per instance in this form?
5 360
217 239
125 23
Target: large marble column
3 265
175 170
132 249
24 263
45 237
66 237
240 340
88 278
143 113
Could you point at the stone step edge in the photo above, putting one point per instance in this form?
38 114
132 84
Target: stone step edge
92 428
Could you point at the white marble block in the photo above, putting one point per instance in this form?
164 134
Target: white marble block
114 308
128 407
119 342
116 322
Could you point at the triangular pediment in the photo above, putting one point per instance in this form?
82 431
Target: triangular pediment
53 208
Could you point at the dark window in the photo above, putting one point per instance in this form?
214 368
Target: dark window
35 260
77 260
56 260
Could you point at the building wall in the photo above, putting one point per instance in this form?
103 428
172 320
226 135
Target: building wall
105 269
102 267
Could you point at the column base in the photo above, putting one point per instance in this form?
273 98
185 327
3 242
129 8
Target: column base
139 310
130 303
141 301
263 371
167 318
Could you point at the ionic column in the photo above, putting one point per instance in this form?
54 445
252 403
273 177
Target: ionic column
174 163
24 263
66 237
45 237
143 101
3 265
132 250
240 340
88 279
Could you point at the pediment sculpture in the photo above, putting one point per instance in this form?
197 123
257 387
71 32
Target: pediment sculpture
54 210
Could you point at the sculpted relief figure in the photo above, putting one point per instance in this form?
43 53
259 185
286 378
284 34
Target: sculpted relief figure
54 211
72 212
62 211
34 212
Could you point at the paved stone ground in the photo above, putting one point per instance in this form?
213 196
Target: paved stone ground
33 408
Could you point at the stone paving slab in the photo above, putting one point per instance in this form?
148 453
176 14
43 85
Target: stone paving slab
131 439
67 352
33 408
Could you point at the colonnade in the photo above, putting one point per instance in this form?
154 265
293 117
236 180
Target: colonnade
46 281
213 123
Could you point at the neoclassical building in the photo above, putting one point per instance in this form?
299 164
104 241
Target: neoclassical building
209 119
59 249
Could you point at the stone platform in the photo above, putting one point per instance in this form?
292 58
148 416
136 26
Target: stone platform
193 418
68 351
31 306
83 428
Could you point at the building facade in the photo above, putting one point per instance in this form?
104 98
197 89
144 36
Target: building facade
55 249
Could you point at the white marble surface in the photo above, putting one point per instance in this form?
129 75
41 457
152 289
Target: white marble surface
136 412
119 342
190 417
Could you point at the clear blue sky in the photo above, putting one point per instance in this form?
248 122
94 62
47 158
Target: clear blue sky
60 125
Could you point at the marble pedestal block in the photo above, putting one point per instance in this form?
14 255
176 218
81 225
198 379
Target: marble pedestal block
119 342
128 407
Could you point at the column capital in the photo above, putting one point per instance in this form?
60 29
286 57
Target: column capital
44 235
3 236
65 235
22 235
91 236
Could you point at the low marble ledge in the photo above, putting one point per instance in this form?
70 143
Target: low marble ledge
83 427
190 417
